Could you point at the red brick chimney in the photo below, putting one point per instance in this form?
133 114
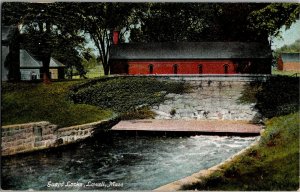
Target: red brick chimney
116 37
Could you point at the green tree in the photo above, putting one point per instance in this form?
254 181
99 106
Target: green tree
99 20
69 52
268 20
12 60
195 22
213 21
43 26
90 61
292 48
159 22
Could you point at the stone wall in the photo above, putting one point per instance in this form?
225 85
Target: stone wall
21 138
214 97
34 136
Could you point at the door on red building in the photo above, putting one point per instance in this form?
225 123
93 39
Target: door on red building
225 68
150 69
175 69
200 69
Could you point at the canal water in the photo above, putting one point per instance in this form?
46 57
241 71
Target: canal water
118 163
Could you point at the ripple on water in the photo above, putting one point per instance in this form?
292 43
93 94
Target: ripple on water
138 163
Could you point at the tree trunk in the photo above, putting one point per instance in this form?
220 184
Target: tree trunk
106 68
46 72
13 57
106 65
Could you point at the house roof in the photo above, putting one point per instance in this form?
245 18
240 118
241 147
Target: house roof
55 63
28 61
190 50
290 57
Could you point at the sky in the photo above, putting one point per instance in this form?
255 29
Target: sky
288 36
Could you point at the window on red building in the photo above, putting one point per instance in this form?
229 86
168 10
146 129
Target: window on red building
225 69
200 69
175 68
150 69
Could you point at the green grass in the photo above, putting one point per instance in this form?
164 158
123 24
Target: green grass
95 72
128 96
286 73
272 165
31 102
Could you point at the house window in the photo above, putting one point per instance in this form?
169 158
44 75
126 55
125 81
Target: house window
226 69
150 69
175 68
200 69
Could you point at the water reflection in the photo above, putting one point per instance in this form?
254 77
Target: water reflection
118 163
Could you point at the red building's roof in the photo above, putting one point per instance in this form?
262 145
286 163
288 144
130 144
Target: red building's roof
290 57
190 50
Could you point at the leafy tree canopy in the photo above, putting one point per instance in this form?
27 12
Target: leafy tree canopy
46 30
213 21
272 17
101 19
292 48
58 28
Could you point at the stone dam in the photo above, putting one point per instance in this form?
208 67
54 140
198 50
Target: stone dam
210 98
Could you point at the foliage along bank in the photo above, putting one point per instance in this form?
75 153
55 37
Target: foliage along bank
278 96
128 96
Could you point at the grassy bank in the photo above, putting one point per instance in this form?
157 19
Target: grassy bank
272 165
131 97
30 102
286 73
93 100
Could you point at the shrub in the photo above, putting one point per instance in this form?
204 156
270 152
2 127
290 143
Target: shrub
279 96
249 92
124 94
173 112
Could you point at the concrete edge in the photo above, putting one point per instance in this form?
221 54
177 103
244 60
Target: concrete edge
95 123
200 176
24 124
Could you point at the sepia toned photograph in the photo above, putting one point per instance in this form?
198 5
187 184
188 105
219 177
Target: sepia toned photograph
152 96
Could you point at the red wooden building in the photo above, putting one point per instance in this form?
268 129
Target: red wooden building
289 62
190 58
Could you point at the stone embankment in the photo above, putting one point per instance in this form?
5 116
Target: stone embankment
210 98
21 138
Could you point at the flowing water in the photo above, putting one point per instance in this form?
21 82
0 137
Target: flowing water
118 163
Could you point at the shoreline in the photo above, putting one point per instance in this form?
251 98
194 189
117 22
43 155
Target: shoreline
201 175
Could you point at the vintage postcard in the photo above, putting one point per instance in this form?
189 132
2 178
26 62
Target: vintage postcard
162 96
